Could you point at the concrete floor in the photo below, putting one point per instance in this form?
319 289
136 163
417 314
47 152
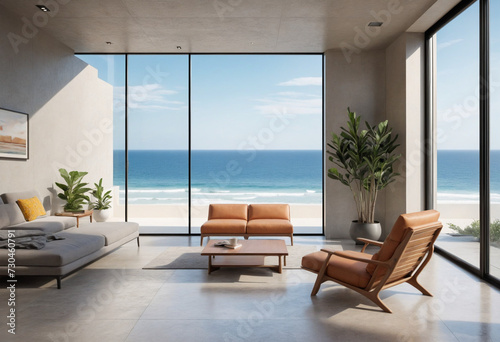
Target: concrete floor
113 299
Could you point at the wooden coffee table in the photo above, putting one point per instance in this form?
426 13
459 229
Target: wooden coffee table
251 254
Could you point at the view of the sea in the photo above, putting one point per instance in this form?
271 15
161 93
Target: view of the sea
161 177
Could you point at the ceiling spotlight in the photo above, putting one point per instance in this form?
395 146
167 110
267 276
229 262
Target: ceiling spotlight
179 47
375 23
43 8
109 43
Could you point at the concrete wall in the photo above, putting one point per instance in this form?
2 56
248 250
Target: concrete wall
379 85
70 110
405 66
360 85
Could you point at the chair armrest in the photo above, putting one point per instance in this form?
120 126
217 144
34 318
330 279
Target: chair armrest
348 255
369 242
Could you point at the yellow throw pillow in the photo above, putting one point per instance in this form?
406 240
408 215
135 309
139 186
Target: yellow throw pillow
31 208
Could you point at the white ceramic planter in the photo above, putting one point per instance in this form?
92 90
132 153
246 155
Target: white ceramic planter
100 215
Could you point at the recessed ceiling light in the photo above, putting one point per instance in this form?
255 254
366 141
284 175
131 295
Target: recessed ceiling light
179 47
375 23
43 8
109 43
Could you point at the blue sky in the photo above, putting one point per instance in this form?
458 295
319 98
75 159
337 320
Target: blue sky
458 80
238 101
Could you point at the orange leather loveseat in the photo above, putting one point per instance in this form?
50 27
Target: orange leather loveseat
248 220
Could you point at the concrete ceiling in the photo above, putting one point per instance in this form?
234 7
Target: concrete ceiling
249 26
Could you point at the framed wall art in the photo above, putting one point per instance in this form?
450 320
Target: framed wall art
14 134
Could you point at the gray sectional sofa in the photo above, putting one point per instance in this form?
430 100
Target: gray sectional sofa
58 258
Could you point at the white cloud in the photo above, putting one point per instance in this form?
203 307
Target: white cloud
149 96
291 103
303 81
449 43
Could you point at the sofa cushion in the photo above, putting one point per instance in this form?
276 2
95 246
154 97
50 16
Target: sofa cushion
226 226
49 224
268 211
405 221
14 213
227 211
111 231
348 271
4 216
12 197
59 252
31 208
269 226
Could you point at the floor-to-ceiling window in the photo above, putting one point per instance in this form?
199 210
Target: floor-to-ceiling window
252 126
256 134
495 139
457 139
111 68
158 137
465 45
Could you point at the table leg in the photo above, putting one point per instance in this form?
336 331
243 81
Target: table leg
209 264
77 222
280 267
90 218
284 258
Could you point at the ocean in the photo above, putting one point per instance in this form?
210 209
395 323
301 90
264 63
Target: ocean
161 176
458 176
295 177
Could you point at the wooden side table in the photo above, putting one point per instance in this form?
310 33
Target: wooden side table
77 215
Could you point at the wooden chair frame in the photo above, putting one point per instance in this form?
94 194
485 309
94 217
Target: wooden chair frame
406 264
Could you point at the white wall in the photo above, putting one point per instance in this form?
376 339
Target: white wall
70 111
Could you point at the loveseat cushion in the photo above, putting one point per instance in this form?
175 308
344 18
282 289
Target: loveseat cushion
111 231
57 253
227 211
405 221
224 226
348 271
49 224
268 211
269 226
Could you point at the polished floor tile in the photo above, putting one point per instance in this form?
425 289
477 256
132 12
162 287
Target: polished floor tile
114 299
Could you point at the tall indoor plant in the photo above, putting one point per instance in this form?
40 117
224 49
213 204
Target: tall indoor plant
364 160
74 191
102 202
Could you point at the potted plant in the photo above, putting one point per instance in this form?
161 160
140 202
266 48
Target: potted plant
74 191
364 162
102 202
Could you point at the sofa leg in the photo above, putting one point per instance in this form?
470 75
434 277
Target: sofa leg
291 239
201 240
138 243
58 282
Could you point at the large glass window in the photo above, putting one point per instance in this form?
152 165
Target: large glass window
256 134
158 139
111 68
495 139
457 102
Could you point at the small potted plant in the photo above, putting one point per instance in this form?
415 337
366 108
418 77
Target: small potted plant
364 160
102 202
74 191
